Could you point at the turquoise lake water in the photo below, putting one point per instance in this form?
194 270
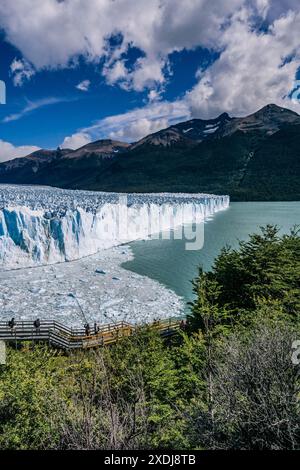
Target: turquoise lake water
170 263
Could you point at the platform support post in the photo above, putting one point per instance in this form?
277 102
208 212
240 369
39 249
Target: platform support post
2 353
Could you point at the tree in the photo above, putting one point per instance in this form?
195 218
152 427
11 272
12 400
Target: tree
256 394
97 415
266 267
27 386
209 318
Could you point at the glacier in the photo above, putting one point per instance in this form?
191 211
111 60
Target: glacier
43 225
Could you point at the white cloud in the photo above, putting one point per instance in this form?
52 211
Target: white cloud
146 74
55 34
76 141
154 95
21 71
255 68
115 73
131 126
84 85
8 151
138 129
32 106
278 8
262 7
139 122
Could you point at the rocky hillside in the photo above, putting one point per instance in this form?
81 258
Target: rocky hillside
256 157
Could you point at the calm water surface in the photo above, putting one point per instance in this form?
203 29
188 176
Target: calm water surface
171 264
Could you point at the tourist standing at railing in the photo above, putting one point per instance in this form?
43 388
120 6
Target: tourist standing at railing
37 325
96 328
87 329
12 323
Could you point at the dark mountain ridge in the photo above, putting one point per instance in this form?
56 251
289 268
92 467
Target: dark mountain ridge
256 157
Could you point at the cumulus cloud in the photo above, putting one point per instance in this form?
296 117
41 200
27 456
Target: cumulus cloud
84 85
138 129
8 151
255 68
277 8
116 73
55 34
257 42
75 141
21 71
154 95
146 74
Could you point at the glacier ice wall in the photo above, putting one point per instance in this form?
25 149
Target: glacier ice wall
48 225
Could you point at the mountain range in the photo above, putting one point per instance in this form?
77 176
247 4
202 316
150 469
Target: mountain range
256 157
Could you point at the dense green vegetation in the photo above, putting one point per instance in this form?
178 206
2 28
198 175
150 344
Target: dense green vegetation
247 166
226 382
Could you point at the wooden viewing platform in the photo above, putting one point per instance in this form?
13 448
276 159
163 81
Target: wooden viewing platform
60 336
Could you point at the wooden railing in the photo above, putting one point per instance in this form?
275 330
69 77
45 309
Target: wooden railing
58 335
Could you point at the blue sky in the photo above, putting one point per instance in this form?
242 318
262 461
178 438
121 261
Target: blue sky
65 108
79 70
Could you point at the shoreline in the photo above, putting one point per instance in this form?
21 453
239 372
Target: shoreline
110 295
